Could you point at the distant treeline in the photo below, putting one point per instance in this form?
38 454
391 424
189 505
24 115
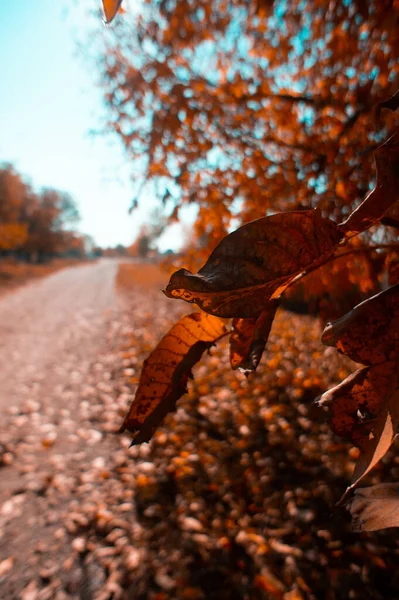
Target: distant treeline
37 226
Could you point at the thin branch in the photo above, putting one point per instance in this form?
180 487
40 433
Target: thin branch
363 250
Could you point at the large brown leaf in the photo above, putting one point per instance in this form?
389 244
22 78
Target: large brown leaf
249 338
385 193
369 333
365 407
256 262
166 371
366 414
375 507
356 402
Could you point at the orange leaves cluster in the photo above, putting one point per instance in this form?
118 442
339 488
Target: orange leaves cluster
211 116
12 235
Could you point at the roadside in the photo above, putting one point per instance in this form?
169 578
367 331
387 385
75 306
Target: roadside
13 273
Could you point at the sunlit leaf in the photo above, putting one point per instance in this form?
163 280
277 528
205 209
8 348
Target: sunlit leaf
166 372
110 8
385 193
256 262
249 338
375 507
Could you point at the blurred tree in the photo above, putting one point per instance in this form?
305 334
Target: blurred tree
148 234
36 226
253 107
51 212
13 197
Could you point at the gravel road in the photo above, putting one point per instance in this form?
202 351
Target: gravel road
59 341
51 323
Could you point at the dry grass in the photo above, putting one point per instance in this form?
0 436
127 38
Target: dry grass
13 273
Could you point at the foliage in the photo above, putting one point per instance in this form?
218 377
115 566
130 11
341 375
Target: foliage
255 108
243 278
312 77
36 226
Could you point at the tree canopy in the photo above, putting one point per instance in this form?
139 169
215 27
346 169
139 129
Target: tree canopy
249 108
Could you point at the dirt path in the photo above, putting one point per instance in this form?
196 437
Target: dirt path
59 340
47 324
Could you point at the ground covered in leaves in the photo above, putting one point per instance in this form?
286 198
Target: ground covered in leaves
233 499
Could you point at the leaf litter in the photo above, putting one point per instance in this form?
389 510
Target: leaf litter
233 498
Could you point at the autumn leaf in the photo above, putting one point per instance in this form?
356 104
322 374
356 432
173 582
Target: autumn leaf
355 403
365 410
385 193
256 263
369 332
110 8
249 338
365 407
166 372
375 507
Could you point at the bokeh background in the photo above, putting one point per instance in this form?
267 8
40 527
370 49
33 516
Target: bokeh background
128 151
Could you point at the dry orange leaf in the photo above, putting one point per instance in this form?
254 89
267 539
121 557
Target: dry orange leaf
369 333
365 407
385 193
357 401
166 371
375 507
249 338
256 262
110 8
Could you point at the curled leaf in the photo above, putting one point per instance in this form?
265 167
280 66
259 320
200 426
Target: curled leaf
375 507
110 8
365 407
380 440
249 338
369 333
166 372
256 263
355 403
385 193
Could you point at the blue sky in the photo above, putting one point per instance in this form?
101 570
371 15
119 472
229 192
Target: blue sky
48 104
